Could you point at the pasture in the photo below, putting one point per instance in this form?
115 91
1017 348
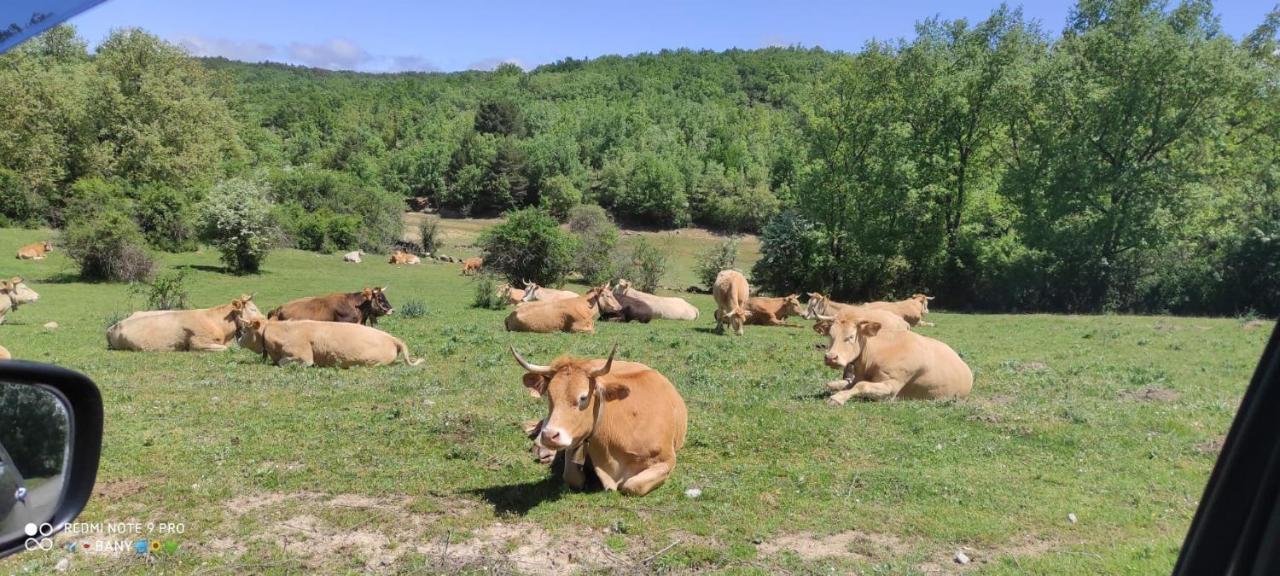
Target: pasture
1113 419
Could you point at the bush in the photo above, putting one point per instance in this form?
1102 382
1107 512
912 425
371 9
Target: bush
429 231
109 247
722 256
791 257
529 246
167 291
236 219
486 293
655 193
644 265
559 196
413 309
597 238
165 217
311 191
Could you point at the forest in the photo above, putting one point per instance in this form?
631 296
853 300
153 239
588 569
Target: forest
1127 163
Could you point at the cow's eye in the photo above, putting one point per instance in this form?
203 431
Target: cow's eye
582 401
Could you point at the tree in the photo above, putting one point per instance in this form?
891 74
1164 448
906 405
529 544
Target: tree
597 238
500 116
529 245
236 219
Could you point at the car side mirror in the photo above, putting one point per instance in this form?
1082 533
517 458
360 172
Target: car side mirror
50 437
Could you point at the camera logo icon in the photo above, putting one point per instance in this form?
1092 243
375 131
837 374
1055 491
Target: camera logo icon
43 531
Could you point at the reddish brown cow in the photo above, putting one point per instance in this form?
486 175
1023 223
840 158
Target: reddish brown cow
772 311
472 266
363 307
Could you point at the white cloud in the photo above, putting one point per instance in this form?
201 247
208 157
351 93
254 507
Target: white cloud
491 64
246 51
333 54
411 64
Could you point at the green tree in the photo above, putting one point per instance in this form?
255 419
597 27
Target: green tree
529 245
236 219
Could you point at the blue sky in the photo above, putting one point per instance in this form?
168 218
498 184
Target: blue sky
392 35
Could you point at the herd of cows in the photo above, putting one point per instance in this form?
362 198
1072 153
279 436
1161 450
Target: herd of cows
621 421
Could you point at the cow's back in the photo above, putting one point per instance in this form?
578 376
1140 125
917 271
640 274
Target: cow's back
155 331
649 423
340 344
665 307
327 308
937 371
546 316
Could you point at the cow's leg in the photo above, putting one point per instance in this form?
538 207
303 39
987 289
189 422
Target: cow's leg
867 390
838 385
606 480
719 322
647 480
204 344
573 475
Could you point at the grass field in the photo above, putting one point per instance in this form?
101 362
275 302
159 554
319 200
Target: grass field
1114 419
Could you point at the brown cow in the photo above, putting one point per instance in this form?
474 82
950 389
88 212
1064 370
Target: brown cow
472 265
14 292
35 251
363 307
514 296
571 315
402 257
773 311
629 416
329 344
912 309
204 329
731 292
882 359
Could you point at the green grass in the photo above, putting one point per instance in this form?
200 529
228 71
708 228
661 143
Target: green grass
277 470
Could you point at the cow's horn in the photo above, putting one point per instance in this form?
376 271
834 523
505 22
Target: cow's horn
535 368
825 318
384 288
608 364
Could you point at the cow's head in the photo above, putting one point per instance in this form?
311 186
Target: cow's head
529 290
251 334
604 298
17 291
378 303
848 335
791 306
817 305
48 246
622 286
923 300
244 310
574 394
735 318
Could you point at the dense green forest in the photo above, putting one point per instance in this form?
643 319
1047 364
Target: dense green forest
1128 163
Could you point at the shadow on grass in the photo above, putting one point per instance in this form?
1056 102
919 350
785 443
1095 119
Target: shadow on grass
520 498
706 330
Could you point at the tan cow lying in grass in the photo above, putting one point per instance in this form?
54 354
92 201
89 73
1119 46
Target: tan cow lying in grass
35 251
536 293
327 344
630 418
402 257
763 311
731 292
512 295
576 314
664 307
882 358
912 309
819 304
201 330
14 292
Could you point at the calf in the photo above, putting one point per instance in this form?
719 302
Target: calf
571 315
882 359
35 251
354 257
201 330
363 307
772 311
14 292
628 309
627 417
329 344
730 291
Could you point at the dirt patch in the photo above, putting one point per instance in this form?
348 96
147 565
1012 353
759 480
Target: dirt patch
852 544
1254 324
1212 446
1152 395
118 489
527 548
244 504
1033 367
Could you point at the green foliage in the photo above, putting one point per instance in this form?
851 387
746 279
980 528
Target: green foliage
166 291
529 245
793 257
431 239
500 116
413 308
166 218
559 195
485 293
236 218
326 210
644 264
108 246
18 206
722 256
597 237
35 432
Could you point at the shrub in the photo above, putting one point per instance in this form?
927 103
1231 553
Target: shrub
655 193
167 291
529 245
791 257
486 293
559 196
429 231
722 256
597 239
165 217
236 219
377 211
644 265
108 247
413 309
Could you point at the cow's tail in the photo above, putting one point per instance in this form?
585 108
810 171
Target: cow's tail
402 348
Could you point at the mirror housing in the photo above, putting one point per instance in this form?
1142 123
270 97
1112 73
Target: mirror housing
83 404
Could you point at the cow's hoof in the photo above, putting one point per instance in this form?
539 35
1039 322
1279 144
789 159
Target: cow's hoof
834 401
837 385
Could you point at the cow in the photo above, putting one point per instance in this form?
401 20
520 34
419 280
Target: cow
326 344
570 315
627 417
4 354
363 307
536 293
628 309
35 251
402 257
14 292
882 359
730 291
354 256
763 311
664 307
819 304
912 309
472 266
200 330
514 296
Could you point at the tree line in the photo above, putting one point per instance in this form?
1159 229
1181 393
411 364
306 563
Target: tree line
1128 163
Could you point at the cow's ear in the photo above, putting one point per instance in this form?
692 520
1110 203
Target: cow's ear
615 391
536 383
531 427
822 327
869 328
